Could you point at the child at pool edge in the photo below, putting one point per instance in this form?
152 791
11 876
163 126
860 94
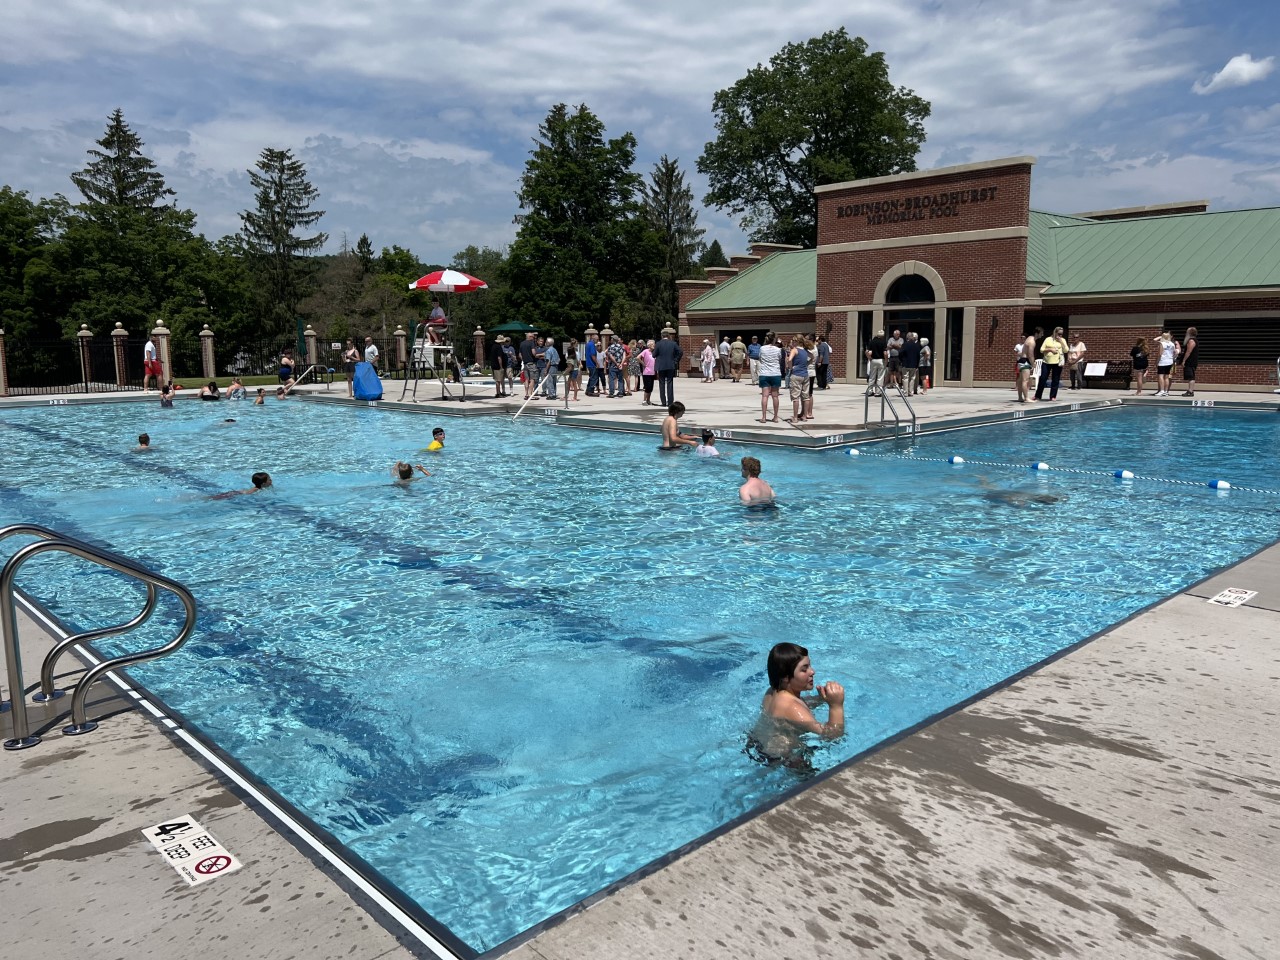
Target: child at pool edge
784 712
755 492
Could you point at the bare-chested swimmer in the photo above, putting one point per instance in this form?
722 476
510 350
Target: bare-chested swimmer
785 713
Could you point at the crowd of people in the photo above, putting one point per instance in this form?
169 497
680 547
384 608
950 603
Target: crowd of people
1058 357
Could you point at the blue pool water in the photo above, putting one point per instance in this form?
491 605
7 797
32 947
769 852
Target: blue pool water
531 674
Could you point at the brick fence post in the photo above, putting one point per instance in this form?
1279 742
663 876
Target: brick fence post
309 337
208 364
160 336
402 350
119 340
477 344
84 337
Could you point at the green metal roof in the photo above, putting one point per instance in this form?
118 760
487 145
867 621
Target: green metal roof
787 280
1190 251
1042 255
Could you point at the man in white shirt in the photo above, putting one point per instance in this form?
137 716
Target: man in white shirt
725 348
370 351
151 366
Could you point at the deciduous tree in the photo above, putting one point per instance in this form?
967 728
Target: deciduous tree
822 111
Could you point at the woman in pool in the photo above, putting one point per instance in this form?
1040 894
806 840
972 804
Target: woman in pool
785 713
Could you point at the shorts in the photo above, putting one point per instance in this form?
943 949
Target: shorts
1164 370
1189 371
153 368
1024 365
894 364
767 382
798 386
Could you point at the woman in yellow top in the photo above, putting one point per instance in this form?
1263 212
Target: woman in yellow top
1053 353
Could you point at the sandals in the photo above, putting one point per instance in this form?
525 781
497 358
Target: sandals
762 421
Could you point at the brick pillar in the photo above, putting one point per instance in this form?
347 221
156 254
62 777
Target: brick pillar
606 337
86 363
119 342
477 344
208 364
309 338
4 372
160 335
402 350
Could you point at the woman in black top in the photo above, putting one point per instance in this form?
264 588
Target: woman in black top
1139 354
1190 359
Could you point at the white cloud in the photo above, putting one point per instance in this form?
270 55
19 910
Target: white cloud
415 120
1240 71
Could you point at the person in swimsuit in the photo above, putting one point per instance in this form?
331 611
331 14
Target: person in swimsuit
402 472
754 492
350 357
210 391
672 438
261 481
437 440
261 399
144 444
707 448
786 712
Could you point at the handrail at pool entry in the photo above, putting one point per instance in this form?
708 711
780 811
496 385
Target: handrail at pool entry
885 401
50 540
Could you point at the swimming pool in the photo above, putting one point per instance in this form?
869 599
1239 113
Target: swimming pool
524 678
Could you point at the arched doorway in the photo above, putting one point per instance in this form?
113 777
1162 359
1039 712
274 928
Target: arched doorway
908 306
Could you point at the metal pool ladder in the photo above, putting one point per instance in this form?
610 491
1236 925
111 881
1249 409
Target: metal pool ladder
50 540
885 401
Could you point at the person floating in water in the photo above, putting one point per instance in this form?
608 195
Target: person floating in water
1015 498
786 713
754 492
672 438
402 472
261 481
437 440
144 444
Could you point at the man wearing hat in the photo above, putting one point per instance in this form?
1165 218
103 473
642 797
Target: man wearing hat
498 361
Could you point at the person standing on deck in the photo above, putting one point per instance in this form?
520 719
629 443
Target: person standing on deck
666 361
876 352
824 363
753 360
1190 360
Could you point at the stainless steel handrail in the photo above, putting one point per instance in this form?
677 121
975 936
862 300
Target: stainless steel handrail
885 401
53 541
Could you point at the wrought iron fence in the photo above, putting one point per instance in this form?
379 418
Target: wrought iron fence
42 367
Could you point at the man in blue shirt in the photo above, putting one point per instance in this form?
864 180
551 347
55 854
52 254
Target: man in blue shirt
753 358
551 357
591 356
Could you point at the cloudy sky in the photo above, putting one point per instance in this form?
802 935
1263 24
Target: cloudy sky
415 119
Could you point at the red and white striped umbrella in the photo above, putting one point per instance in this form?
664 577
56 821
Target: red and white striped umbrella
448 281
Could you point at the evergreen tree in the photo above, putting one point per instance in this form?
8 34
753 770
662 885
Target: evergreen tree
364 252
713 256
583 249
119 178
668 207
283 198
823 111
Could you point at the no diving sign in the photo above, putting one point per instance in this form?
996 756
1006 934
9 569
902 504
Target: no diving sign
191 850
1233 597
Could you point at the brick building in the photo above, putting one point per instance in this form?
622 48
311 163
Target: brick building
958 255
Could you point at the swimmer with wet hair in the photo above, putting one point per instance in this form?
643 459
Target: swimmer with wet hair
672 438
144 444
402 472
261 481
754 492
786 710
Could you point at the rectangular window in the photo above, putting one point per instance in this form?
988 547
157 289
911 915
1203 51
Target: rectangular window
955 342
1246 340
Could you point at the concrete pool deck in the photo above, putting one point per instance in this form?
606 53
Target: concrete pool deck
1121 801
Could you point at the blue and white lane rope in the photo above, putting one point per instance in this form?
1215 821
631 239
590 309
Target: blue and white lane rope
1041 467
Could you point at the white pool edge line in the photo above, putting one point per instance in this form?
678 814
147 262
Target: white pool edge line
411 926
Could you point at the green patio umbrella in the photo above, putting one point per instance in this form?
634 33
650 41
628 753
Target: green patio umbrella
515 326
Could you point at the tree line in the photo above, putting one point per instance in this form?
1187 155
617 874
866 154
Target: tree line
597 242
